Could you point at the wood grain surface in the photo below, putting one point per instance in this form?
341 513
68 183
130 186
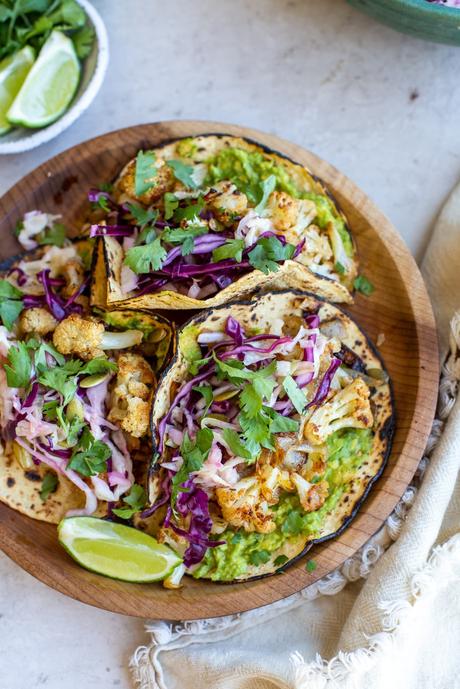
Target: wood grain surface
399 309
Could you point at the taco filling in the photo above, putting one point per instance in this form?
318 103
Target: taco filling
270 426
197 217
76 391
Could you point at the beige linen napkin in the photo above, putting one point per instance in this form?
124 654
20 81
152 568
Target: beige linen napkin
400 627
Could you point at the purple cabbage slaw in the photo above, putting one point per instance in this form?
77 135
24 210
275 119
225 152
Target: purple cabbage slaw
192 505
179 272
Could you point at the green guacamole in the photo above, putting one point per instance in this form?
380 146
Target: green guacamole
346 451
248 169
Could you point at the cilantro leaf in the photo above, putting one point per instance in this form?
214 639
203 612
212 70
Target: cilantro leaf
280 560
136 499
98 365
142 216
145 173
280 423
206 391
268 185
57 378
293 524
11 304
232 249
339 268
73 430
194 453
233 370
41 350
191 211
183 172
176 235
145 259
170 203
19 370
310 566
55 235
267 252
250 401
259 557
83 41
295 394
49 485
363 285
235 444
91 455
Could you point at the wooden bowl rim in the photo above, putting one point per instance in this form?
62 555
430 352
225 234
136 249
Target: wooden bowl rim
128 598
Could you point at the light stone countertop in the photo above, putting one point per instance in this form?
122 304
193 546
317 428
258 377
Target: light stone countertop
381 107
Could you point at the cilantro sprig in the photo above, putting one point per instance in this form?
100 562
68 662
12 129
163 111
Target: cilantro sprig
183 172
90 456
194 453
134 502
268 252
11 304
145 172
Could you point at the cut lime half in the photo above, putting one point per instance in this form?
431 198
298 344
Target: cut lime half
13 71
115 550
49 86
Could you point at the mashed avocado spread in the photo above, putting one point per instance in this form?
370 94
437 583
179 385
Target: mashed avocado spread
346 451
247 170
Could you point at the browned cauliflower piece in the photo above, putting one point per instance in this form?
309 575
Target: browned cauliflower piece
37 320
245 506
282 209
131 396
86 338
311 495
348 408
74 274
227 202
162 182
79 336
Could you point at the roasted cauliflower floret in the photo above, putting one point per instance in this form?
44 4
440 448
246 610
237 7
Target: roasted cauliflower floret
131 396
87 338
162 182
282 209
245 506
37 320
227 202
348 408
311 495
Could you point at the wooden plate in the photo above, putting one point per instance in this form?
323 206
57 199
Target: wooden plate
399 310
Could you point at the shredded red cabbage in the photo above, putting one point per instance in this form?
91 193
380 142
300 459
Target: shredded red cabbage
324 386
21 276
235 330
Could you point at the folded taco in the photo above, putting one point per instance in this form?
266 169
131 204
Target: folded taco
76 392
200 221
270 426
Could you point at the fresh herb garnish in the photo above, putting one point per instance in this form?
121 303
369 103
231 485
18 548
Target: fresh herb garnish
11 304
54 235
293 524
146 258
310 566
235 444
280 560
206 391
339 268
363 285
19 370
194 453
295 394
268 185
145 173
232 249
183 172
134 501
267 252
90 456
143 216
191 211
170 203
49 485
259 557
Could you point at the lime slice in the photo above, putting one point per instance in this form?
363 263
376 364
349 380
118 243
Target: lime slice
115 550
13 71
49 86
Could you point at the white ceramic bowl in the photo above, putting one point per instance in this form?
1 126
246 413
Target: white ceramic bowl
94 68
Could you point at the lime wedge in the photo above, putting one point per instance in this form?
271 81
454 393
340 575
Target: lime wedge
13 71
49 86
115 550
